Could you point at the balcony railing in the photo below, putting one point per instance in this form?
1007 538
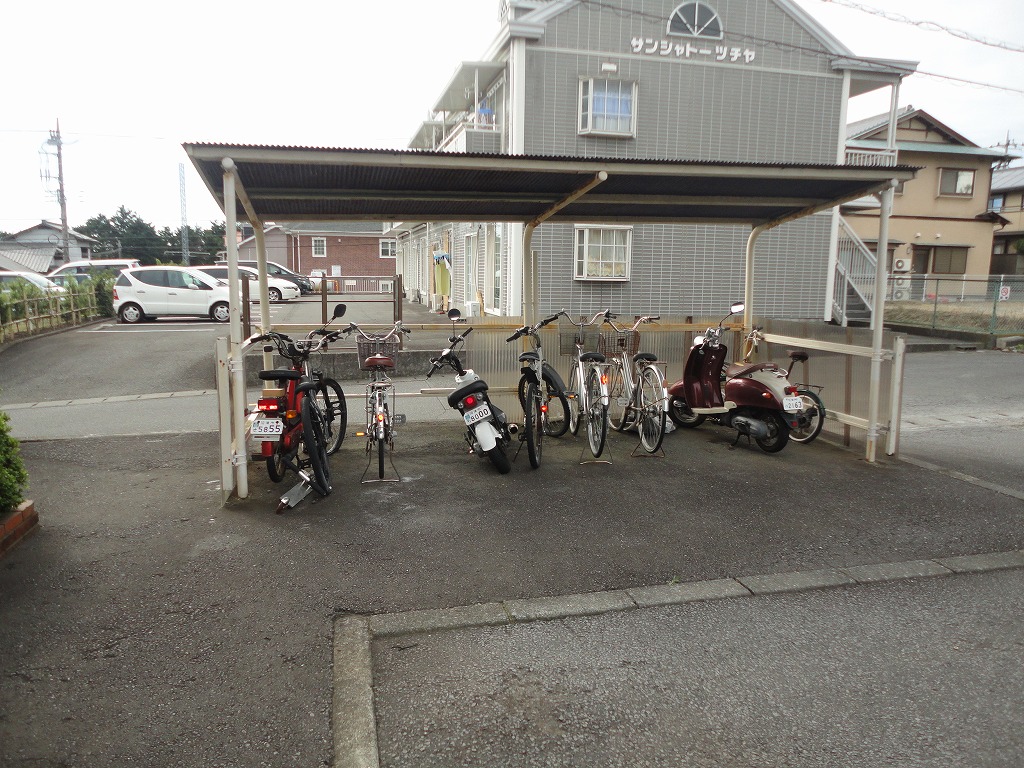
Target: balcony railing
872 157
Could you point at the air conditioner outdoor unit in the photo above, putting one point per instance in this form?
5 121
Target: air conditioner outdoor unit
900 294
901 283
472 309
901 265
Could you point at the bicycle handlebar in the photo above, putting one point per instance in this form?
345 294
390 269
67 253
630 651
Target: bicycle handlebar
398 327
639 321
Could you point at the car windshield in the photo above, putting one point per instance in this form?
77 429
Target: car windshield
38 280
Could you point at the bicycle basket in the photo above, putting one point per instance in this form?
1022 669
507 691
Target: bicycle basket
569 335
615 342
368 347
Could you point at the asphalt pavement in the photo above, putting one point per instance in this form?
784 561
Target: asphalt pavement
714 606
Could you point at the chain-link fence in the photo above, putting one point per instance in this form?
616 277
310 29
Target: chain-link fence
993 304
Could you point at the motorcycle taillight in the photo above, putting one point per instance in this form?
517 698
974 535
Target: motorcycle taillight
268 405
791 390
469 401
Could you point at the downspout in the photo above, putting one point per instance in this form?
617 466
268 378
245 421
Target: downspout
235 367
748 284
517 266
833 235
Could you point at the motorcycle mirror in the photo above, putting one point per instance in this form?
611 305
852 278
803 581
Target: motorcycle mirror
736 308
698 340
339 310
454 314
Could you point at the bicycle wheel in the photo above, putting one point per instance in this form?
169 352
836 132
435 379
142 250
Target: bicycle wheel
534 426
620 415
812 418
314 435
276 468
651 412
556 420
576 399
597 414
331 399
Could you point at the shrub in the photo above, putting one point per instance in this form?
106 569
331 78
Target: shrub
105 296
13 477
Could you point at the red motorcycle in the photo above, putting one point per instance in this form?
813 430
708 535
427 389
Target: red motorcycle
757 400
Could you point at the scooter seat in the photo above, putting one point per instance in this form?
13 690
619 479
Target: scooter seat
645 357
743 369
455 397
595 357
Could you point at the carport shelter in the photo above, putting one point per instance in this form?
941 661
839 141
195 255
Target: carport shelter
262 183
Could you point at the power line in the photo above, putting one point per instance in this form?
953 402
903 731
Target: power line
794 48
930 26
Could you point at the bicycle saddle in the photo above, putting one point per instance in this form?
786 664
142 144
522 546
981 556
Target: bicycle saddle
378 361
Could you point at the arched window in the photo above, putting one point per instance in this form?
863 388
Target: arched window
695 20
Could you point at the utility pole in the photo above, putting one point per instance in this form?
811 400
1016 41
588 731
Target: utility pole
61 197
185 259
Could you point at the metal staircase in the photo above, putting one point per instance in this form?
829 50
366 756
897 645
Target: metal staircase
854 279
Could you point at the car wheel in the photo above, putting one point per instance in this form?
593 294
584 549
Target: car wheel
274 294
130 313
220 312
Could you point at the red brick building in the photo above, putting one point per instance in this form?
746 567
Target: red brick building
345 250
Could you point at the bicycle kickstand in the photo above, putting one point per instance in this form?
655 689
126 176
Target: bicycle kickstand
296 494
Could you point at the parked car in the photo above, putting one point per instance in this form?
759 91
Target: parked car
143 293
277 289
276 270
90 268
44 284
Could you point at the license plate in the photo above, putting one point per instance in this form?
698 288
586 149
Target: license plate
479 413
793 404
267 428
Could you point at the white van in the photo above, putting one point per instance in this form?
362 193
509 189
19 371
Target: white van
90 268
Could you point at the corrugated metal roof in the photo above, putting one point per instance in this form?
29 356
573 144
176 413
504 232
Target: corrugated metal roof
1005 179
321 184
17 258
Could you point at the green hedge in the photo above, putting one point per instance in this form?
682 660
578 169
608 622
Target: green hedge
13 477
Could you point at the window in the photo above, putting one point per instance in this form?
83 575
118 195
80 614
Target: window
607 107
956 181
388 249
997 202
695 20
603 253
950 261
153 277
319 247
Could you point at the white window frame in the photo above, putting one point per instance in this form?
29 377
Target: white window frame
583 248
585 112
957 171
385 251
692 30
469 268
314 241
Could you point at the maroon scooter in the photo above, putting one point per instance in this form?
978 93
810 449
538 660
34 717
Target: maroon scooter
756 400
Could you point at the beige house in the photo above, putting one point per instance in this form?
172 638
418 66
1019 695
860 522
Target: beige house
1007 200
941 229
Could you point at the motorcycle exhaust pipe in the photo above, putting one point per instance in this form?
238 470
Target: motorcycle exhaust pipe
513 429
751 427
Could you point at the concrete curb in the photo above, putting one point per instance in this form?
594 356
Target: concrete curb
352 718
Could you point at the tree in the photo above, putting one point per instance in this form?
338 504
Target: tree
127 235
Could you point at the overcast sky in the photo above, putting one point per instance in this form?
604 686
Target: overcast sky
129 83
